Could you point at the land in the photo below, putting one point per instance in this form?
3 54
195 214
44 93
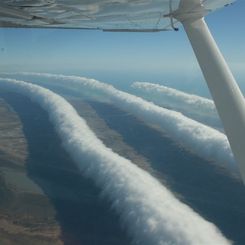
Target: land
26 214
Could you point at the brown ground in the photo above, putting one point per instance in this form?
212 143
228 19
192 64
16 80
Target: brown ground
26 215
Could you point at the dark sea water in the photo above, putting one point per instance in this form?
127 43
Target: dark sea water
200 184
85 218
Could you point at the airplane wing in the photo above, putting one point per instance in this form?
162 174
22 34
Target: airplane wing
107 15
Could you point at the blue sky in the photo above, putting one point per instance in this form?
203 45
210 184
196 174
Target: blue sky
96 52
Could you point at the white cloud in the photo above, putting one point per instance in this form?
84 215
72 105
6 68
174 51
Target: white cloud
150 212
202 140
198 102
194 106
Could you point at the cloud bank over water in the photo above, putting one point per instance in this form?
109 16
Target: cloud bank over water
150 212
197 107
202 140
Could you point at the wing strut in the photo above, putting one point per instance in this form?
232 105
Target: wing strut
226 94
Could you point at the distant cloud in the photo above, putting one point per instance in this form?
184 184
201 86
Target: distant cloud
200 139
150 212
197 107
190 99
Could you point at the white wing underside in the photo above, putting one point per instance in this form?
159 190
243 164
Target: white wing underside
110 15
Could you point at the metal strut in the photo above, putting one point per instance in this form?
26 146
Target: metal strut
170 15
226 94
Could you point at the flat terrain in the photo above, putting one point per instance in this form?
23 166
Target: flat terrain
26 214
